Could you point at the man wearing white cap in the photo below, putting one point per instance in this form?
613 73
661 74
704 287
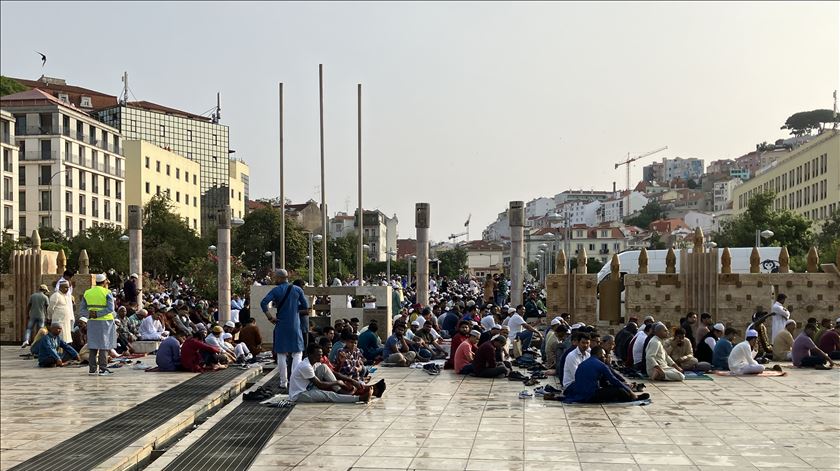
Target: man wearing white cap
130 289
706 347
288 300
98 304
742 357
555 335
61 310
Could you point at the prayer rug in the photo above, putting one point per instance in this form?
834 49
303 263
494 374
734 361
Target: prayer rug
769 373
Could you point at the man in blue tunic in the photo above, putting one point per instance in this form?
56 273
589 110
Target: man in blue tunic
595 383
288 300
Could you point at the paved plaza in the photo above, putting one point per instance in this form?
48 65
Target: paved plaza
447 422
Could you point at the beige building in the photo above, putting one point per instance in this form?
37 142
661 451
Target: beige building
153 171
9 174
71 171
240 176
807 181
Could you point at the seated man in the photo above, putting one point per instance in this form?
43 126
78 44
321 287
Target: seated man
590 379
556 334
370 344
830 341
251 337
806 354
397 351
560 357
679 349
197 356
79 334
575 358
706 346
305 386
351 362
461 335
466 354
659 366
169 353
47 349
723 347
151 328
742 357
637 346
484 364
489 334
520 328
430 341
763 345
622 340
783 342
215 339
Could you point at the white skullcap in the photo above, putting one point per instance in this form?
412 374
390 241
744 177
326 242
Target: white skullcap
475 333
417 323
226 336
556 321
719 327
101 277
497 326
751 334
791 321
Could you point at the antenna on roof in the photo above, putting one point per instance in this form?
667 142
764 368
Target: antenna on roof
217 114
124 96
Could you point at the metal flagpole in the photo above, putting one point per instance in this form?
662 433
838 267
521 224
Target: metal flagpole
360 256
323 188
282 190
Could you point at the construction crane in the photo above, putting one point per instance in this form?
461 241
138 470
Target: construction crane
627 163
460 234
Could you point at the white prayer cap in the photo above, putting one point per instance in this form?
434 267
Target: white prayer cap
497 326
230 324
417 323
649 318
556 321
578 325
511 310
751 334
719 327
134 275
837 321
475 333
62 281
499 337
791 321
226 336
82 319
101 277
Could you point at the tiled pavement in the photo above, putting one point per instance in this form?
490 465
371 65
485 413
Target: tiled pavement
449 423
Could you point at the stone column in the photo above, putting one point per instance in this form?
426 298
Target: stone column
516 216
135 243
223 252
421 223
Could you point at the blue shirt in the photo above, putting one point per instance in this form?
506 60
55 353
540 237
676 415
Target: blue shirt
720 355
288 337
369 342
47 348
588 377
392 342
449 322
169 354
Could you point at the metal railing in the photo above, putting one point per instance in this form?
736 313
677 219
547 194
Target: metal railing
40 155
34 130
80 136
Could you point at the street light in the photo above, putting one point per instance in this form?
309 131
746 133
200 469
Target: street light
437 263
212 248
338 261
273 258
388 256
123 238
765 234
410 259
313 238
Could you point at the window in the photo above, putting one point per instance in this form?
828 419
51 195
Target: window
46 174
157 191
189 134
215 139
591 247
148 161
195 202
94 180
177 173
147 187
167 169
68 201
82 208
807 171
107 184
68 223
194 180
195 223
82 183
85 102
68 177
94 159
162 131
7 188
21 175
177 196
186 176
118 189
21 201
157 166
240 196
94 205
107 210
22 226
45 221
81 225
118 208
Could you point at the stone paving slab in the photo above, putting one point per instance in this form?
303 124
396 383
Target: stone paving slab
447 422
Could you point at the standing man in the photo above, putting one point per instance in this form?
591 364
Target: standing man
61 310
130 289
68 277
780 315
289 300
98 304
37 309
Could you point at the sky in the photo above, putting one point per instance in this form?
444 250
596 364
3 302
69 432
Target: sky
466 106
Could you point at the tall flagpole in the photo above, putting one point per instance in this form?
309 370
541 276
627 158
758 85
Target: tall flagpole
361 253
282 190
323 188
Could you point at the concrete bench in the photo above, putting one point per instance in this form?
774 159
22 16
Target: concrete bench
145 346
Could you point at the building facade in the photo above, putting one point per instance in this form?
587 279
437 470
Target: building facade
806 181
9 174
722 193
380 235
685 169
240 176
617 209
71 174
198 138
154 171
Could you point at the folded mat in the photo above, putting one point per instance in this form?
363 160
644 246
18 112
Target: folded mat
763 373
691 375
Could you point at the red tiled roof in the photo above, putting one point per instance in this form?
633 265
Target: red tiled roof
483 246
33 95
74 94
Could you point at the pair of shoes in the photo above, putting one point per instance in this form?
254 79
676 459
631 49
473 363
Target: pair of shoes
378 388
538 375
531 382
431 368
551 389
525 394
258 395
643 397
777 368
552 397
539 392
105 373
24 345
517 376
93 373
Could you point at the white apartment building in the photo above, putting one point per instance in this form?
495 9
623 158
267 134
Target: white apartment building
617 209
341 225
580 212
539 207
380 235
722 193
71 172
9 170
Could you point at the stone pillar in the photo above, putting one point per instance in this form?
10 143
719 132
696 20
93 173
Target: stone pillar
516 217
223 253
84 263
135 243
421 223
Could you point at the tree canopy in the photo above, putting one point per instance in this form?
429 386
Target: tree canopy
104 248
168 242
9 86
804 122
651 212
453 262
790 230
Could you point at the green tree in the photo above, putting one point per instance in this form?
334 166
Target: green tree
203 273
828 240
593 265
104 248
453 262
8 245
804 122
790 230
655 242
260 233
651 212
9 86
168 242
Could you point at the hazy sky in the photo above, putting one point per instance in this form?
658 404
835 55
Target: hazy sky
466 105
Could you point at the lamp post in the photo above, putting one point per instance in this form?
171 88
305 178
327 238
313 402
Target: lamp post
338 261
273 260
410 258
388 256
765 234
225 222
312 239
437 265
365 249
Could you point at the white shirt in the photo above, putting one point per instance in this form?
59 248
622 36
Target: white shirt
711 342
69 292
741 356
488 321
639 346
573 360
515 323
215 341
242 350
234 315
299 381
780 317
150 329
432 285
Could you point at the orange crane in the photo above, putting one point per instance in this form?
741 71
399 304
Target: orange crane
627 163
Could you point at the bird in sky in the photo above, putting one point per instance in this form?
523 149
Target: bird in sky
43 58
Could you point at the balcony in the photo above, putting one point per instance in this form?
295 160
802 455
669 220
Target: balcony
41 155
73 159
34 130
65 131
81 137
